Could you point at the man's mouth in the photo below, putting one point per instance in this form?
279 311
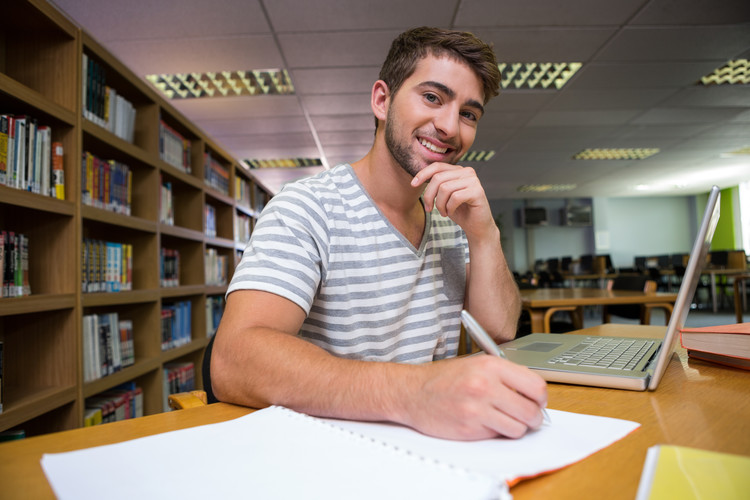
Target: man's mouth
432 147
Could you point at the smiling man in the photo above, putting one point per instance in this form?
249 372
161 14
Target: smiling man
347 300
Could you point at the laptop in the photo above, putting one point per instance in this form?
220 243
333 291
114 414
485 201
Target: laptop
576 359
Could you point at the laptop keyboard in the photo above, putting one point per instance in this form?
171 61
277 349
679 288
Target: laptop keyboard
605 352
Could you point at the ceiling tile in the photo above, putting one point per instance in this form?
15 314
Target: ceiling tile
544 13
349 15
115 20
336 49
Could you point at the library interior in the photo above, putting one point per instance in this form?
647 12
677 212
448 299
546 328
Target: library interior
140 142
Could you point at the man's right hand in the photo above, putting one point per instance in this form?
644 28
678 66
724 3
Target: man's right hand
475 397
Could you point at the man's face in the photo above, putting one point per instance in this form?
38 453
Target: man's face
433 116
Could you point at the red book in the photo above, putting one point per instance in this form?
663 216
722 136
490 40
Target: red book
726 340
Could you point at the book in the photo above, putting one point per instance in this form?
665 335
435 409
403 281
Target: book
728 340
3 148
732 361
690 473
280 453
58 173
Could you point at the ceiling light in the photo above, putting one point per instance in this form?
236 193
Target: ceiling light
616 154
284 163
532 75
477 155
738 152
545 188
735 72
223 83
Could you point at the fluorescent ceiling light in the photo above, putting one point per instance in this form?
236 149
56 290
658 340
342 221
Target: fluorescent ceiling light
223 83
531 75
735 72
615 154
283 162
545 188
477 155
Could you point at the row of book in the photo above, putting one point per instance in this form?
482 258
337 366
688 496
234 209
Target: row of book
216 267
166 203
215 174
108 345
176 329
243 192
103 105
29 159
174 148
121 403
178 377
209 221
106 266
242 228
14 263
169 268
106 184
214 311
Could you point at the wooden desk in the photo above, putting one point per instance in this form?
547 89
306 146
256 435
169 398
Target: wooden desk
541 301
697 404
716 273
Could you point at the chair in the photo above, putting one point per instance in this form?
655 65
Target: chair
182 400
641 312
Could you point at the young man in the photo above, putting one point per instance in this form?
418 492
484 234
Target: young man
354 280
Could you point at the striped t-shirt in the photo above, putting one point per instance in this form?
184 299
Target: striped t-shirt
368 293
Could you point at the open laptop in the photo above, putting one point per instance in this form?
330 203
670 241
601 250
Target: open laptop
559 358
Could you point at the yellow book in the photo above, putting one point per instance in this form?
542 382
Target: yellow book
689 473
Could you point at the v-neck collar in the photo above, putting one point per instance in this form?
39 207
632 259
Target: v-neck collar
419 252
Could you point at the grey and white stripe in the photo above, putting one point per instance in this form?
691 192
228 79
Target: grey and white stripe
368 293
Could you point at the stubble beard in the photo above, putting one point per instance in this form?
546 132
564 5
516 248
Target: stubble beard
399 151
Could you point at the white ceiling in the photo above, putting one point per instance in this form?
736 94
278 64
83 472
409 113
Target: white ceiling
636 88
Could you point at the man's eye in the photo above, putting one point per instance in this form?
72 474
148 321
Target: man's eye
469 115
431 97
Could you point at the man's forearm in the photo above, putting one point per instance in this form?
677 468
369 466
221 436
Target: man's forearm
492 294
265 367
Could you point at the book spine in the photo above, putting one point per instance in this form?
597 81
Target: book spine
3 148
58 173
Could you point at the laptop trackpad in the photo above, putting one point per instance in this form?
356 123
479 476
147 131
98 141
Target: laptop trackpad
541 346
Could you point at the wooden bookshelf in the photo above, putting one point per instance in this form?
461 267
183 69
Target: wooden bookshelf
41 55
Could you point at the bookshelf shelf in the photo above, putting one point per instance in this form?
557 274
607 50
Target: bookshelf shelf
44 351
37 303
25 404
23 95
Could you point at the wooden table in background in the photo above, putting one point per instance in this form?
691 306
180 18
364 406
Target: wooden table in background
541 301
697 404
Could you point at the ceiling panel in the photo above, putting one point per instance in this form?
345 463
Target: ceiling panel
336 49
349 15
244 53
109 20
544 44
544 13
677 43
693 12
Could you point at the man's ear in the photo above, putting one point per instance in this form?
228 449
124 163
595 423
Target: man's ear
380 99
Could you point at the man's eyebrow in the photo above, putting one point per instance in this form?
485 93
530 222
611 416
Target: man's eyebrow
452 94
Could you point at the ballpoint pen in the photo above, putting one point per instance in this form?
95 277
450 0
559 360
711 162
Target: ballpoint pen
488 345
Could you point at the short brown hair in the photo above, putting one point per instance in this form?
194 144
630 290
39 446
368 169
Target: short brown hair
413 45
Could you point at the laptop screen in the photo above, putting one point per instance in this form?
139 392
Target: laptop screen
689 283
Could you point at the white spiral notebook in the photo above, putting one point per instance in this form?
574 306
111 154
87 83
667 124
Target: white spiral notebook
279 453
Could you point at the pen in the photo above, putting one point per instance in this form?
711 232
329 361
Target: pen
488 345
